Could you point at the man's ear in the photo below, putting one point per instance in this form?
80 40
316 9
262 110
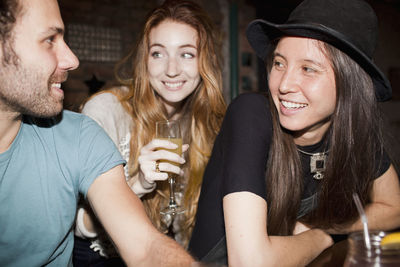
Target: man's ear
7 53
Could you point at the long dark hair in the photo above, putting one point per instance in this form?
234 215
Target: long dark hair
355 142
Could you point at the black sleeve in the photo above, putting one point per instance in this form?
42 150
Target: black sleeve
382 163
237 163
246 137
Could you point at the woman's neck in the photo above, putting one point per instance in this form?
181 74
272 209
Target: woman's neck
175 110
173 113
310 137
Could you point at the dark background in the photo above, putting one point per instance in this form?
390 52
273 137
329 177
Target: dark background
102 31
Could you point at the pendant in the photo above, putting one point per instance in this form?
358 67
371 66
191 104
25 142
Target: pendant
317 165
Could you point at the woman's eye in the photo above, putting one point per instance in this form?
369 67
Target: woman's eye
308 69
156 54
277 64
187 55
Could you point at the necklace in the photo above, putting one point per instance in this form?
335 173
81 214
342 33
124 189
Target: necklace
317 163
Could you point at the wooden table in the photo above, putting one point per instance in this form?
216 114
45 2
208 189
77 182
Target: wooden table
333 256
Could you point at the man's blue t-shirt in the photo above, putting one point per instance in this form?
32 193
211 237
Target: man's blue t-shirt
48 164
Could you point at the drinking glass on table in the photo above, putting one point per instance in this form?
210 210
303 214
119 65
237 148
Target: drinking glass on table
170 130
377 255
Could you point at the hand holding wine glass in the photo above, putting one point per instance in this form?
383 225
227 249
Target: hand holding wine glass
170 130
156 161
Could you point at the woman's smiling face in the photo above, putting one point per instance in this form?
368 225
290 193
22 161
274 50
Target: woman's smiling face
173 62
303 88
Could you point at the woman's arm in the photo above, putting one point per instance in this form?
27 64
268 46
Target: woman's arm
383 212
248 243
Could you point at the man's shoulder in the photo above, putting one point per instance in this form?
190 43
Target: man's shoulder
76 122
67 123
74 118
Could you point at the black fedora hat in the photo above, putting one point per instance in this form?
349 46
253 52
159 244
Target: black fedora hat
349 25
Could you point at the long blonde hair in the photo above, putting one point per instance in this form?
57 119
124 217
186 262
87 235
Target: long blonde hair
202 113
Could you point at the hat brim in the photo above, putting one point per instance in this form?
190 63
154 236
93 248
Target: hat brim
261 33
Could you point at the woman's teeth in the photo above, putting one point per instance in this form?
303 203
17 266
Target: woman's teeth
292 105
174 85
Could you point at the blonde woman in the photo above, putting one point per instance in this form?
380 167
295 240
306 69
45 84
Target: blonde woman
176 75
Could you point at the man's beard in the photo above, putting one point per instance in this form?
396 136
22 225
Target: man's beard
27 91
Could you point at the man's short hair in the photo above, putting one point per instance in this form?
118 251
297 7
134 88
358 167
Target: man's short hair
9 11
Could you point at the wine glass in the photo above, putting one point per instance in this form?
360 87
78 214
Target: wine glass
170 130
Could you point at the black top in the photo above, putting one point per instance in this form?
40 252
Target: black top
238 163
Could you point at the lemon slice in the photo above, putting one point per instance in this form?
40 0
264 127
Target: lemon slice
391 241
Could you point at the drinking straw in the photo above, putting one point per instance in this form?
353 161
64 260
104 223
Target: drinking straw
364 220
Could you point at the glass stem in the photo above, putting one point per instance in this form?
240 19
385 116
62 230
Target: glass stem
171 191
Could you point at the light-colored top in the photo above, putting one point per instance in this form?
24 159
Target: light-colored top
108 112
47 166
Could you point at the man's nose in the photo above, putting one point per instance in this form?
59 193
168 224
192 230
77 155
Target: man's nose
66 58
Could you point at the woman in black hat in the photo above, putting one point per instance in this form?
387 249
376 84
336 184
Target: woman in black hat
285 166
